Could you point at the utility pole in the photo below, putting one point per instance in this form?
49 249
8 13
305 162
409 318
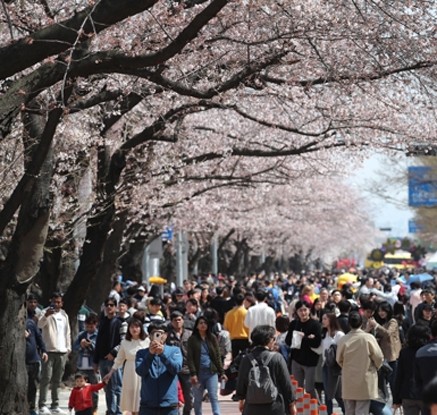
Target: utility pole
181 257
151 259
214 254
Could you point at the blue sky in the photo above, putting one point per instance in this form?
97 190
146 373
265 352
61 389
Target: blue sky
380 171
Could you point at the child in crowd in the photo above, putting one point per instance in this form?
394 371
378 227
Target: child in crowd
84 346
81 395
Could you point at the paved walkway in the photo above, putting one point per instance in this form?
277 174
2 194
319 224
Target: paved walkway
228 407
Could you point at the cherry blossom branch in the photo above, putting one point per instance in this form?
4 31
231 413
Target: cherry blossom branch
101 62
59 36
34 167
352 77
233 82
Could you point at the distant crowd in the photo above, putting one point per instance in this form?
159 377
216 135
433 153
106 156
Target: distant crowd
358 338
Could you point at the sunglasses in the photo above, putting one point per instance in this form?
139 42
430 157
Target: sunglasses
110 305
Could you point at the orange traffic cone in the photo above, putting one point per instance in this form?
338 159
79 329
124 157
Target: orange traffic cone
323 410
306 403
314 410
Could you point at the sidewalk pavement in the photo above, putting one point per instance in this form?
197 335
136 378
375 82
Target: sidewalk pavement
227 405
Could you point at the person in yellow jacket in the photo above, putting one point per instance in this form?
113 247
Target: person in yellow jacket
234 323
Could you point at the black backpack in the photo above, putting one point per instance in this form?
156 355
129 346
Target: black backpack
260 389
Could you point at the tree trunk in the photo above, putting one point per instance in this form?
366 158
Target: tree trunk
101 285
21 265
13 375
98 228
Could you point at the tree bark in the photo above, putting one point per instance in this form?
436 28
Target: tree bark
21 265
101 285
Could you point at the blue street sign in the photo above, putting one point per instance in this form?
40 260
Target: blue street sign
413 226
422 186
167 234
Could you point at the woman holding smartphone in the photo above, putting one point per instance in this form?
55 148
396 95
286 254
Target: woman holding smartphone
131 384
205 364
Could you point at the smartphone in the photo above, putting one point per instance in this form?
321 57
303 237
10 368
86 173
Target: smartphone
157 336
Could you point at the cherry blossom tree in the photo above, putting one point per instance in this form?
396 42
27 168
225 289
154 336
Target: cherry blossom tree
170 100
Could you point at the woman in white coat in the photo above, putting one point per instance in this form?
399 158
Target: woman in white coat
131 384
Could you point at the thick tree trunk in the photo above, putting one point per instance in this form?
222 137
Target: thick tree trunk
48 275
98 229
101 285
20 267
13 375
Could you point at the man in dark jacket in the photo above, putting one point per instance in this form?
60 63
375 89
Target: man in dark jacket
158 366
35 352
107 345
178 336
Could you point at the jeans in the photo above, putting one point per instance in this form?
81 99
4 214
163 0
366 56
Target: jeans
209 381
336 388
51 374
391 377
112 389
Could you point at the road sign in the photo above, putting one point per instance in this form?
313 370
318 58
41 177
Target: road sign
413 226
422 186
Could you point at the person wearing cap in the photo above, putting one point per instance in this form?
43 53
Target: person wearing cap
140 294
178 336
158 366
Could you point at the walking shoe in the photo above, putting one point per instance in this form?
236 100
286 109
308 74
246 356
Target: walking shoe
58 411
44 411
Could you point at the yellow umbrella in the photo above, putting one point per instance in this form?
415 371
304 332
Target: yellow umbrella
346 278
157 280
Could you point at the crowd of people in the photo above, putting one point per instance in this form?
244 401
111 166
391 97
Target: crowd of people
167 352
